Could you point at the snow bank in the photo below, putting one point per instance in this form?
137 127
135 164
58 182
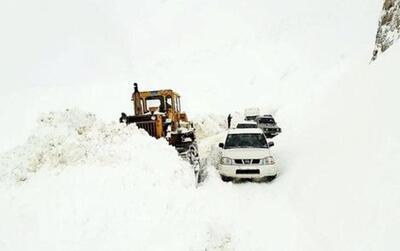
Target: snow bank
341 157
209 125
81 184
72 137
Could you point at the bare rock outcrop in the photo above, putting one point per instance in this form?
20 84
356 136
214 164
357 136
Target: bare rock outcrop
388 28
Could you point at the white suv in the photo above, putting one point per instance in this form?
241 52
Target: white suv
246 154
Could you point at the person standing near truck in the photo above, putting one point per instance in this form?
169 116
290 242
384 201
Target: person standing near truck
229 120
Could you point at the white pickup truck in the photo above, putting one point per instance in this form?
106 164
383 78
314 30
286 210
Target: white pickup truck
246 154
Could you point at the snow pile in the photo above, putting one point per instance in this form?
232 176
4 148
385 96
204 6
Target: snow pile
72 138
91 180
209 125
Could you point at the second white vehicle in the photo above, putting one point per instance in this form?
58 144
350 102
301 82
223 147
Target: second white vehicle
247 124
246 154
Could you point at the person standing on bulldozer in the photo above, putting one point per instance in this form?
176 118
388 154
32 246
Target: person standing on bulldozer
229 120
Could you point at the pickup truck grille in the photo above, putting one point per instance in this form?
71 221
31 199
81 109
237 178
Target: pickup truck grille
248 171
247 161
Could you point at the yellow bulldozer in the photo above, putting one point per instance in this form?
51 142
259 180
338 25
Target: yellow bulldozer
159 113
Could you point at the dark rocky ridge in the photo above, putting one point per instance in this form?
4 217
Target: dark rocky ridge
388 28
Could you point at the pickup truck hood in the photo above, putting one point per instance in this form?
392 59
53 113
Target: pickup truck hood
246 153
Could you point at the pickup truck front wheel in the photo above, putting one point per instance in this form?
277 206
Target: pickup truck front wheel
226 178
270 178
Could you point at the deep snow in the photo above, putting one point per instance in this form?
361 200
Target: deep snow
77 180
79 183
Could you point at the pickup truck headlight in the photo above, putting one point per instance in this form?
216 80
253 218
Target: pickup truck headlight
226 161
268 161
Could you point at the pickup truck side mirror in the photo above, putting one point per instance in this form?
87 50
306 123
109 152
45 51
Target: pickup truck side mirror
270 144
221 145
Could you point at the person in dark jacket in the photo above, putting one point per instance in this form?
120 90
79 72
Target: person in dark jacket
229 121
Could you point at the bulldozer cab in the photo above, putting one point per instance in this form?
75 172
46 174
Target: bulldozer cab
159 113
162 101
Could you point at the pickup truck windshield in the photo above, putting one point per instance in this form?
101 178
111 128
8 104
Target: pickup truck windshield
254 140
267 121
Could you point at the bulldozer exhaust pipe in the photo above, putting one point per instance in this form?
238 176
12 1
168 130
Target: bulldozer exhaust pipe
136 100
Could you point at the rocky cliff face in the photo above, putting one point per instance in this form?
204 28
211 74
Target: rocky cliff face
389 27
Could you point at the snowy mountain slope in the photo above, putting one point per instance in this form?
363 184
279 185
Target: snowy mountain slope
346 143
87 54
